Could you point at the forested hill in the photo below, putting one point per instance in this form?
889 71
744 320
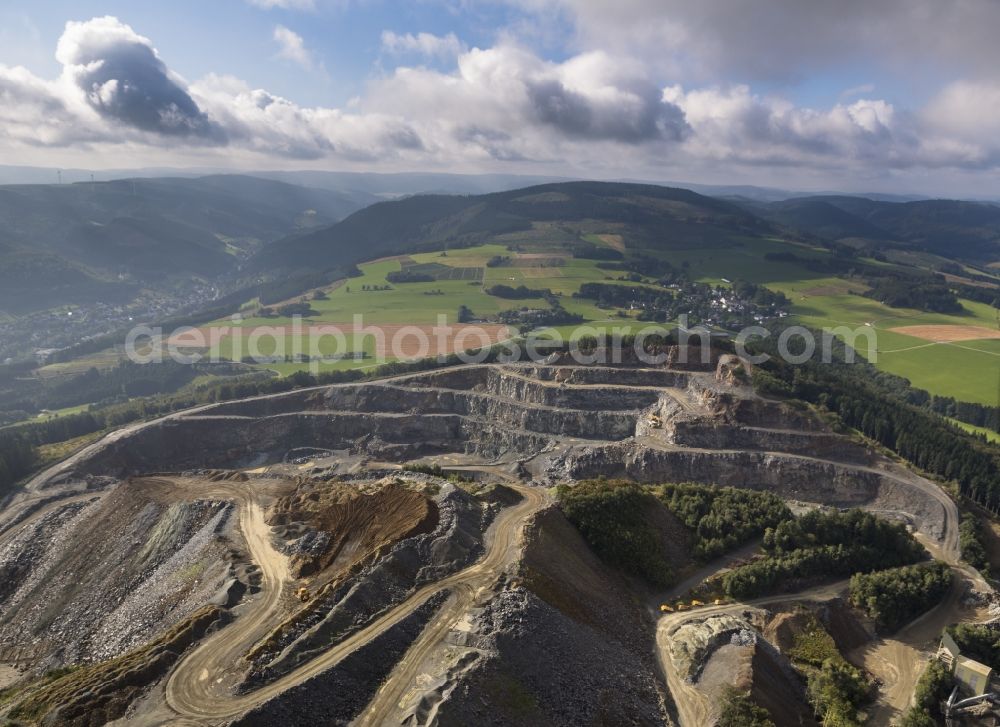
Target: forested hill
549 214
949 228
99 242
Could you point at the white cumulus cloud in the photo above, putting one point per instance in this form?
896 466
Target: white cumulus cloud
425 44
292 47
595 112
285 4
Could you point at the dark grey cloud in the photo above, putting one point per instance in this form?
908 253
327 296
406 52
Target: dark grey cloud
787 40
125 81
576 115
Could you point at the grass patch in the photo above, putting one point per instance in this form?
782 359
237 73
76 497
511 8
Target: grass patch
49 454
813 645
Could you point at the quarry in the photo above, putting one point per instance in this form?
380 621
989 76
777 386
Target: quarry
391 552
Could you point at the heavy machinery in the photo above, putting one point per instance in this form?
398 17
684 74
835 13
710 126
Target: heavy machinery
664 608
302 594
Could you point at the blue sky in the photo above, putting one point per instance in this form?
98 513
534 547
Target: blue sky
900 94
235 37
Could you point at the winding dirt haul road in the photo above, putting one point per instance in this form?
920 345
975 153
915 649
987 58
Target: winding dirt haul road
199 689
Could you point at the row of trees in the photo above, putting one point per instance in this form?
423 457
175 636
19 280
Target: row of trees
896 596
856 527
596 252
970 539
125 380
979 415
722 518
646 265
301 308
610 295
528 318
17 457
521 292
856 393
405 276
902 293
822 545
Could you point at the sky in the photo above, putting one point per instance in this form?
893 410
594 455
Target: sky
854 95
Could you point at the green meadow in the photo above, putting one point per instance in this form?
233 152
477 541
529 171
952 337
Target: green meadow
968 371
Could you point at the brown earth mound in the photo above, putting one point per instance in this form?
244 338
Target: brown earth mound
784 627
842 623
359 524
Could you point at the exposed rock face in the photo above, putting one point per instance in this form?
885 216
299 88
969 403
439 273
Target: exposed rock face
693 643
790 476
752 664
558 639
558 421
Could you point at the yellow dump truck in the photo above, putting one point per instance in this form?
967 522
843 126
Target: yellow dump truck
302 594
696 603
664 608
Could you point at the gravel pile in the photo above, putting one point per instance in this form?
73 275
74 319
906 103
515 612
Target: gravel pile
67 596
541 667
